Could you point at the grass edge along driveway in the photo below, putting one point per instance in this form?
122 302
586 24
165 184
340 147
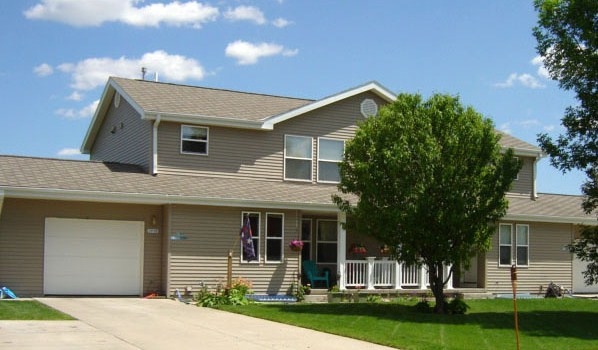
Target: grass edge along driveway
566 323
26 310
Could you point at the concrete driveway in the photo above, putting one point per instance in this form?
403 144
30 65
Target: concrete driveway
131 323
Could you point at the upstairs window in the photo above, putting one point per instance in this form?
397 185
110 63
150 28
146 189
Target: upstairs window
298 154
194 140
330 154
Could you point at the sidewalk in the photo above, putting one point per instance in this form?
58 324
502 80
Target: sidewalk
131 323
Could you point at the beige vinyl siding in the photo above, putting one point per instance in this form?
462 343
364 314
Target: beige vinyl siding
212 232
258 154
548 261
124 137
22 239
525 181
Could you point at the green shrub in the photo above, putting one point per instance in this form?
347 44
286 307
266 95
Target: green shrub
236 295
457 306
423 306
373 299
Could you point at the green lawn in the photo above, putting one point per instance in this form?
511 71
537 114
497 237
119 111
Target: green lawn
489 324
29 310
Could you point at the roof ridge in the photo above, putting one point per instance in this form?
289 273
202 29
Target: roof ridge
212 88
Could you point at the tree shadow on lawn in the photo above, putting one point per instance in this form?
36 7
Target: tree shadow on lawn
538 323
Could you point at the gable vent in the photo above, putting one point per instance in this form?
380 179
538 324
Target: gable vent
369 107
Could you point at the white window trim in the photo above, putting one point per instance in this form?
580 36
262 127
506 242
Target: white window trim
318 241
281 239
327 160
517 176
311 159
505 245
207 141
517 245
259 218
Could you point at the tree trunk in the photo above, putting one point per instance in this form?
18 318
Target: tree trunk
437 287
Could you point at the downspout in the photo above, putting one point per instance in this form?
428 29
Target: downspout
155 145
1 201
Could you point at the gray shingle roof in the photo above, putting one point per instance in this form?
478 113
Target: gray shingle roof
155 97
130 183
49 178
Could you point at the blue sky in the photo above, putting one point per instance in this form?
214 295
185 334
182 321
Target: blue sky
57 55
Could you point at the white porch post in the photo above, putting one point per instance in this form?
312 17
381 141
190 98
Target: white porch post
370 272
398 275
341 249
447 270
422 277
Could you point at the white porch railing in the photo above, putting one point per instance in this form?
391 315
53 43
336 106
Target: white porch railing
372 274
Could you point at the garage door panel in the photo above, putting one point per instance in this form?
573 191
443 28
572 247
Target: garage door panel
93 257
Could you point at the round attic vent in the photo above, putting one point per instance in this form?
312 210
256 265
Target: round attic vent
116 100
369 107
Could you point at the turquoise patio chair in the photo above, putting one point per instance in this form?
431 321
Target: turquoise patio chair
313 275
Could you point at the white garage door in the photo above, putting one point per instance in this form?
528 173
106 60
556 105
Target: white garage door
579 285
93 257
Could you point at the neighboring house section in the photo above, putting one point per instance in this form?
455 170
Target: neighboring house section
175 170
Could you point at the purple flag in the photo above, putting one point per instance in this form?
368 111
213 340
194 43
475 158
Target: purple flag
247 240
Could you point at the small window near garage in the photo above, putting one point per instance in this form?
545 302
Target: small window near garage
330 154
274 237
306 239
327 241
505 238
254 223
298 155
522 245
194 140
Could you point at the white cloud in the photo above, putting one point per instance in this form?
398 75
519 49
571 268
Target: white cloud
69 152
281 22
94 13
43 70
525 80
505 127
93 72
245 13
529 123
548 128
247 53
75 96
542 71
73 114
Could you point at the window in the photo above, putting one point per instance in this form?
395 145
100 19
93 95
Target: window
327 238
306 239
298 154
522 245
505 238
254 221
517 176
330 154
194 139
274 237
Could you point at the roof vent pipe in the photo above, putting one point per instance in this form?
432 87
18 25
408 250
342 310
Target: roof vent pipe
143 71
156 77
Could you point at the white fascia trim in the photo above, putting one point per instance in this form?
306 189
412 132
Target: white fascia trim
552 219
158 199
372 86
109 90
206 120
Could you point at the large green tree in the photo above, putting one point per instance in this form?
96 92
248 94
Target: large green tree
567 36
429 178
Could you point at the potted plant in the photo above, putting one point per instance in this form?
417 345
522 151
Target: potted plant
358 248
296 245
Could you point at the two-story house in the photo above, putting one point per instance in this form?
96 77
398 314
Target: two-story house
175 169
